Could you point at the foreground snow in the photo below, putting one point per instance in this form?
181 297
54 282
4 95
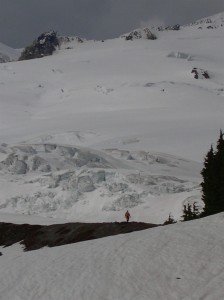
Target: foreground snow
181 261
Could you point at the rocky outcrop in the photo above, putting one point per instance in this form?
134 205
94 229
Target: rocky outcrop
44 45
212 22
144 33
174 27
200 73
69 42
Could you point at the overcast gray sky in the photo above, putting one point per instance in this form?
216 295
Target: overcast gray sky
21 21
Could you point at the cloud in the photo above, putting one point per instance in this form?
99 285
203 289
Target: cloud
153 21
23 20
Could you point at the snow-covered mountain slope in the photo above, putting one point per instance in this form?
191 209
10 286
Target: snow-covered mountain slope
212 22
180 261
8 54
115 118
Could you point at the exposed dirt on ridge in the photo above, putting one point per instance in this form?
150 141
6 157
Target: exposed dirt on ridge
34 237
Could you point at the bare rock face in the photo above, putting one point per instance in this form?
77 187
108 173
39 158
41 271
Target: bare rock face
140 34
44 45
174 27
200 73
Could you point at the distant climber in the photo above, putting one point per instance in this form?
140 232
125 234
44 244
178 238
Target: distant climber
127 216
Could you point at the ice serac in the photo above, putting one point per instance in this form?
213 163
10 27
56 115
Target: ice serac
83 184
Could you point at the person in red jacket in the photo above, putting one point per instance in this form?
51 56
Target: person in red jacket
127 216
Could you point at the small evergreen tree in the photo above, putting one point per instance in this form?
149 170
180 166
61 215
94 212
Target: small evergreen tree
213 179
190 212
170 220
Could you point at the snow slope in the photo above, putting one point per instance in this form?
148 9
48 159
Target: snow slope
177 262
100 127
8 54
212 22
103 126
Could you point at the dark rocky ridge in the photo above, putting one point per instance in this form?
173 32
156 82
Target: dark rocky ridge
44 45
34 237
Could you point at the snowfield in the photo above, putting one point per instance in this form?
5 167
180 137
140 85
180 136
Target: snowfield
105 126
177 262
8 54
102 126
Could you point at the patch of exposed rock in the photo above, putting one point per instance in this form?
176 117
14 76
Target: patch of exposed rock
200 73
144 33
213 22
44 45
